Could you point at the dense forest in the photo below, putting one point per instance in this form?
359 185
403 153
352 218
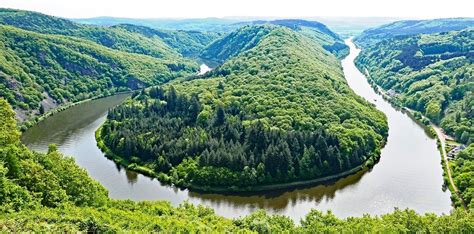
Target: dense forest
248 36
47 61
430 73
188 43
463 172
118 38
49 192
277 112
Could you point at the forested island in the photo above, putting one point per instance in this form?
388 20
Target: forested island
276 112
429 69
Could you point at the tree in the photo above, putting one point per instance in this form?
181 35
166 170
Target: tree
219 120
433 110
194 108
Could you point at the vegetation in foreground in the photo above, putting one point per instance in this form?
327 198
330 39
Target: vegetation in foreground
279 111
49 192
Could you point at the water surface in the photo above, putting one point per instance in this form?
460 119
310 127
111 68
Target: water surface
409 174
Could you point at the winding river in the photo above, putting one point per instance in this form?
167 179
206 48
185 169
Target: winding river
409 173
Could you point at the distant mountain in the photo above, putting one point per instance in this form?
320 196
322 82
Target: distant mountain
188 43
235 43
202 25
314 30
251 33
411 27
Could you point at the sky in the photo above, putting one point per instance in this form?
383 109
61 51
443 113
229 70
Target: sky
246 8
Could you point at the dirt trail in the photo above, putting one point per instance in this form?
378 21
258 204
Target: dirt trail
442 138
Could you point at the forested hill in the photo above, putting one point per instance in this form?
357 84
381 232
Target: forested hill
278 112
251 33
47 61
234 43
411 27
316 31
50 193
188 43
430 73
114 38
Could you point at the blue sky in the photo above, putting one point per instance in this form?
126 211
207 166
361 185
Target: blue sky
254 8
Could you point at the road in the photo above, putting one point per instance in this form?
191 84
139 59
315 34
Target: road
442 138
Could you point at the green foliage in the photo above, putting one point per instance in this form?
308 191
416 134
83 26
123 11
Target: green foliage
430 73
32 179
38 69
273 105
329 40
32 201
188 43
463 174
236 42
114 38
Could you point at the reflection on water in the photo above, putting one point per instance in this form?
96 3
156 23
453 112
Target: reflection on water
409 173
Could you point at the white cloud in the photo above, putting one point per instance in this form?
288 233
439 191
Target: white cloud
266 8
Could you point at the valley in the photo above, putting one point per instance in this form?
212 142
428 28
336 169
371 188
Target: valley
230 125
384 182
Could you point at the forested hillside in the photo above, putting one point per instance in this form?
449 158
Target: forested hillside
412 27
114 38
40 71
234 43
49 192
279 111
42 68
430 73
316 31
250 34
188 43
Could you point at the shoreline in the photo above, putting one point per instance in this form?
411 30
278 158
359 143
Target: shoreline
23 126
433 131
108 153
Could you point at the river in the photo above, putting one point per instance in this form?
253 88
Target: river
408 175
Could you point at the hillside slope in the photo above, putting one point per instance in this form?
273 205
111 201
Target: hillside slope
41 71
249 35
188 43
278 112
411 27
316 31
234 43
430 73
114 38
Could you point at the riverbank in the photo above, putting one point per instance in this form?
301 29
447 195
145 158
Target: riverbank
406 176
164 178
433 130
25 125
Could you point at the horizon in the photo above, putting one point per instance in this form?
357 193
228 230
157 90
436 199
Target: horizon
279 9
